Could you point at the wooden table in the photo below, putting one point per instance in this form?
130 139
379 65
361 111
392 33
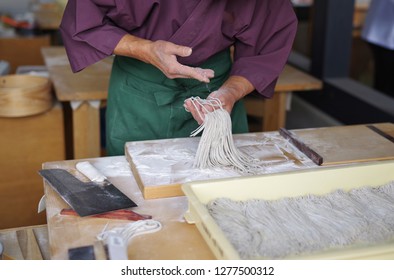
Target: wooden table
83 91
90 86
176 240
272 112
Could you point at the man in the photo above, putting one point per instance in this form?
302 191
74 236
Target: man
168 51
378 31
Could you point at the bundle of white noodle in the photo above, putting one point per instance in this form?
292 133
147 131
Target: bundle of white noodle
216 147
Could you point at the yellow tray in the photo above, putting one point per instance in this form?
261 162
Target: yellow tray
280 185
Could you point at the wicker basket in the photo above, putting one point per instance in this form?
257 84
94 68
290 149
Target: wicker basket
24 95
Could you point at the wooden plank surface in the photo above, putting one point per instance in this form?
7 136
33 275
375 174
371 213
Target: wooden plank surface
349 144
25 243
176 240
337 145
292 79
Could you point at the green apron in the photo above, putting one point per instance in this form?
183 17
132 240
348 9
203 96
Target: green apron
143 104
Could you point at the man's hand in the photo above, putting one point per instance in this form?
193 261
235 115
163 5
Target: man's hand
235 88
162 55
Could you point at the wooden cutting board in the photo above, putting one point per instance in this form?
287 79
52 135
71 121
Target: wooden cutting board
160 167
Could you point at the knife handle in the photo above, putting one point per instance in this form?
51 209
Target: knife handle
87 169
121 214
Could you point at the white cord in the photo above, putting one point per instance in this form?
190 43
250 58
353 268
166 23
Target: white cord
132 229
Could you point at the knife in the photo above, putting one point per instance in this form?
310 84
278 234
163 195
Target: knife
121 214
87 198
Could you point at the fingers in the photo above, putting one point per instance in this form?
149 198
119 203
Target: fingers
199 108
202 75
181 71
209 73
224 97
181 50
177 70
195 109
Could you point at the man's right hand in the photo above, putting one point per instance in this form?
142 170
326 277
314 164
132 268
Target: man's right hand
162 55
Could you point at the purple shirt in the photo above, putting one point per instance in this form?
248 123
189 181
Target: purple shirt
262 31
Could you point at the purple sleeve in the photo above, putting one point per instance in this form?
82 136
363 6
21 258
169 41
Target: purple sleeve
264 44
88 35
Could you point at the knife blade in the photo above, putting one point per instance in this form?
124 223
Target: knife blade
86 198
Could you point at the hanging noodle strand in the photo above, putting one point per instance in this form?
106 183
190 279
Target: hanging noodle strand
216 147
